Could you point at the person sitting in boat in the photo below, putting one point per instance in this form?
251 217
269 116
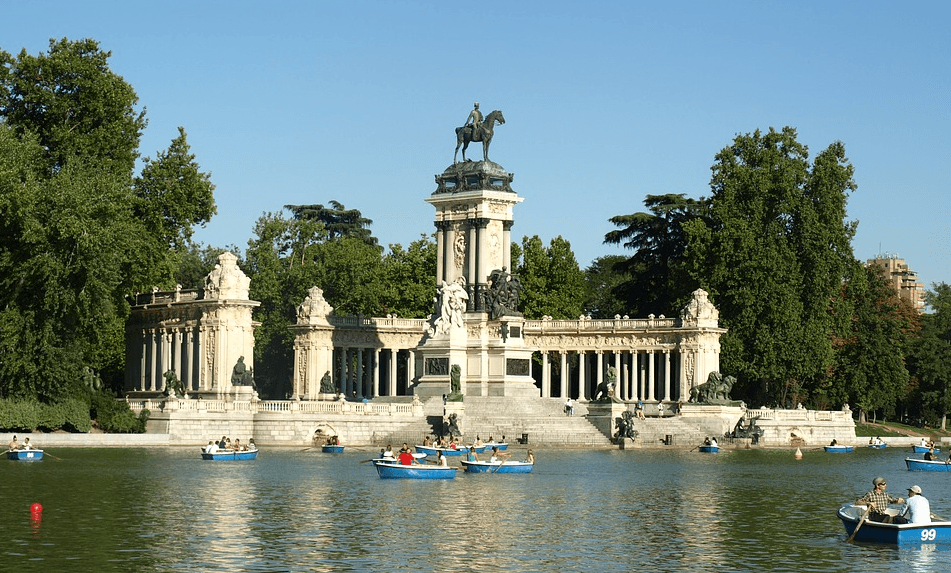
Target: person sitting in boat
713 442
495 459
706 441
924 442
211 448
427 442
930 455
916 510
237 444
871 441
252 445
26 444
388 452
879 441
878 501
406 458
478 443
834 442
441 460
223 443
14 444
453 443
471 456
530 458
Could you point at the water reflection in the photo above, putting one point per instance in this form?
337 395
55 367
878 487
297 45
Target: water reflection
666 510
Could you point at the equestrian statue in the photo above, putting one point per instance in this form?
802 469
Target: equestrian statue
476 129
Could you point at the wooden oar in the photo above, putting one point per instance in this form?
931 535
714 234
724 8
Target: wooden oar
52 456
499 466
693 448
861 521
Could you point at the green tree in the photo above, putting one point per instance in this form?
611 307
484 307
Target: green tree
603 281
930 356
657 280
552 282
338 221
76 105
869 371
773 253
409 278
76 239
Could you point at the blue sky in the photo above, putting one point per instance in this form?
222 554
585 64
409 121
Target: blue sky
605 102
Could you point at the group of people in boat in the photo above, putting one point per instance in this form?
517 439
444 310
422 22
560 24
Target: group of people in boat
710 441
876 441
225 443
26 445
916 509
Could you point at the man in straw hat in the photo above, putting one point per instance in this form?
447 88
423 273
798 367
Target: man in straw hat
878 501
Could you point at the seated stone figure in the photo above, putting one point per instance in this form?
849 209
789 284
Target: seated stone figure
241 374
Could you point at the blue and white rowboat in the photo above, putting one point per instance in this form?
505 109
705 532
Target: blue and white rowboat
431 450
502 446
905 534
709 449
922 449
331 449
916 465
881 446
30 455
497 467
839 449
227 455
388 470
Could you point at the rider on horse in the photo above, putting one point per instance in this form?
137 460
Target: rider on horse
475 120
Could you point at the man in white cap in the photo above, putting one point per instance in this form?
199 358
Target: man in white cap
917 510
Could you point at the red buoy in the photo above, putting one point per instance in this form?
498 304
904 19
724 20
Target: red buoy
36 510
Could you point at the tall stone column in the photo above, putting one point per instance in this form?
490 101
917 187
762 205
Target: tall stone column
546 375
565 379
667 393
649 375
506 244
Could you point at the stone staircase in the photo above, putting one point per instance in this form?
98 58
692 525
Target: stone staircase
541 420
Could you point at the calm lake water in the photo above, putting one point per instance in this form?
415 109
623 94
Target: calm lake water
164 509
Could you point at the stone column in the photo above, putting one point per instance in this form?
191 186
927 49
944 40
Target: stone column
599 376
546 375
190 359
153 360
649 375
449 245
583 393
394 367
472 277
507 244
410 370
376 372
565 378
143 362
440 247
667 394
361 357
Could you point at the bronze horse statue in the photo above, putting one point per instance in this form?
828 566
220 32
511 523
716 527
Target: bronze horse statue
464 135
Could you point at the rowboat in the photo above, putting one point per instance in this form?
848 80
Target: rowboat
904 534
331 449
223 455
497 467
917 465
881 446
922 449
709 449
30 455
839 449
431 450
390 470
502 446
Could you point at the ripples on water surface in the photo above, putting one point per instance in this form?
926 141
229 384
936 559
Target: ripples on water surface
606 510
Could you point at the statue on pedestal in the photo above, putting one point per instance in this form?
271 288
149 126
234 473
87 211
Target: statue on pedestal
241 375
501 297
452 305
477 130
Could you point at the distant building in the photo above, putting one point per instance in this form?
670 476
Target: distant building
902 278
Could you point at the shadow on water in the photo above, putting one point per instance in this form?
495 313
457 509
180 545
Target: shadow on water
291 510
